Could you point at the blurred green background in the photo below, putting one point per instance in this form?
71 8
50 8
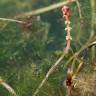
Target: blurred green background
27 55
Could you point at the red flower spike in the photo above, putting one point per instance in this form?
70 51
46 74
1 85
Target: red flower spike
66 12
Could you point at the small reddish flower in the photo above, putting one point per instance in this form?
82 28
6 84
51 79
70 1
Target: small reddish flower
66 12
69 77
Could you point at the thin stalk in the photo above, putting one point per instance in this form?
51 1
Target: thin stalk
45 9
93 20
8 87
11 20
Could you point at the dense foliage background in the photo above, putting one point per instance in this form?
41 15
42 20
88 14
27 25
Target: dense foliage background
27 54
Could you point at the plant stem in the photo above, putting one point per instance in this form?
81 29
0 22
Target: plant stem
93 20
12 20
45 9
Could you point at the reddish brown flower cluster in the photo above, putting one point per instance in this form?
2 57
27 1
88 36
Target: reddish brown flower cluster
66 14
